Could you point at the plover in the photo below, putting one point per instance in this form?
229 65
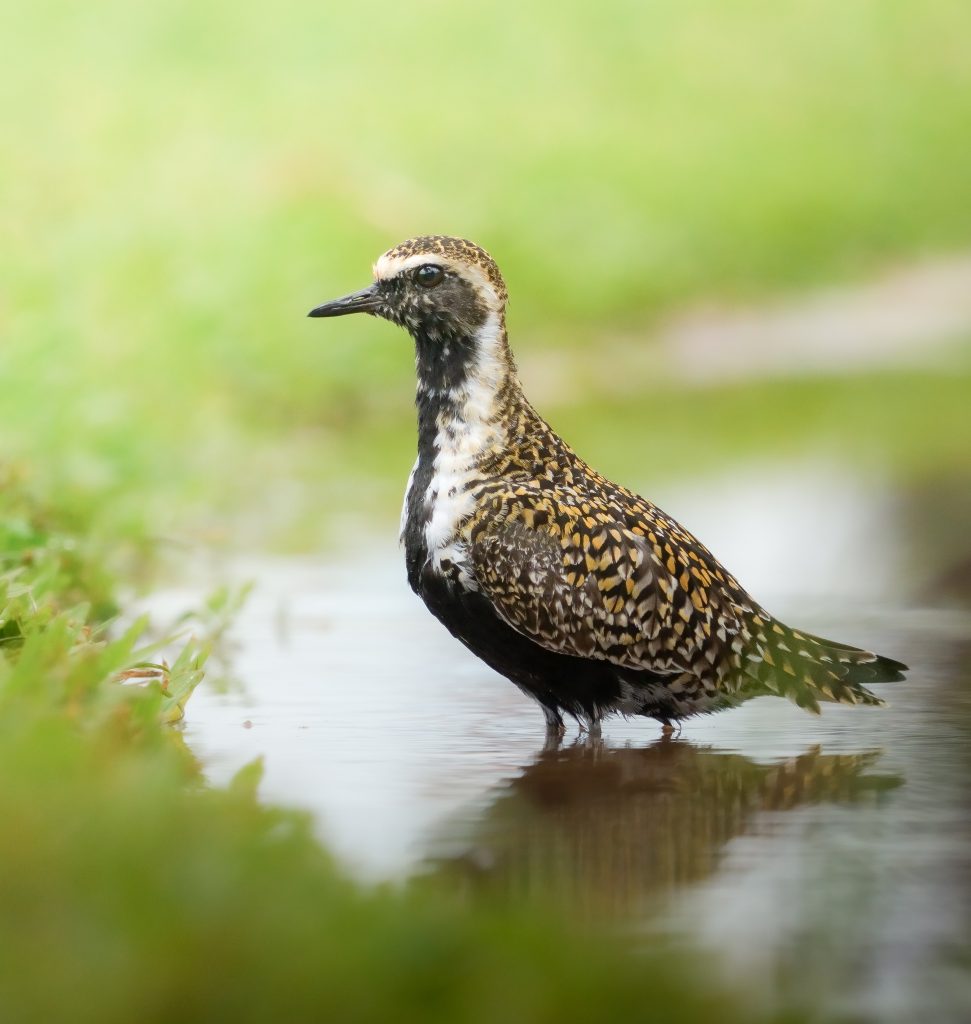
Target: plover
587 596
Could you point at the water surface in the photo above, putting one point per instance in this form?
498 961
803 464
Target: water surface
826 856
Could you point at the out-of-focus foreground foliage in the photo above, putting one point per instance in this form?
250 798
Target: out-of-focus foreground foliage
131 890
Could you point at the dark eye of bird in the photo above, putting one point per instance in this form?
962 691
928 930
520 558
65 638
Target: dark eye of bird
429 275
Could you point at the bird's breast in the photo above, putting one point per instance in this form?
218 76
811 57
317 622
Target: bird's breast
456 429
439 499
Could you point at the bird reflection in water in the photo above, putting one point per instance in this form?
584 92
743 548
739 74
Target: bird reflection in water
610 829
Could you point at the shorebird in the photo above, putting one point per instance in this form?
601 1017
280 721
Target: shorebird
587 596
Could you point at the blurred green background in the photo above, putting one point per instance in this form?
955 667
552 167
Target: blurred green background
181 182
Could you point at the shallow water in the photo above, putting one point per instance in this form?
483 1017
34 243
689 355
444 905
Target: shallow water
826 856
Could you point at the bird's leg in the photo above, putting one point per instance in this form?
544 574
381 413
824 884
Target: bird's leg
667 729
590 723
555 729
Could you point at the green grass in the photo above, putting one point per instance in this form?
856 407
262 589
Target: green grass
909 425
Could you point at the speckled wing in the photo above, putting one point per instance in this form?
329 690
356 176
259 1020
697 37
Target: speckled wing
598 582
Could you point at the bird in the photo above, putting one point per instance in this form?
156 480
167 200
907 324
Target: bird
585 595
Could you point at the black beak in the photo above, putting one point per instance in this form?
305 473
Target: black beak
367 300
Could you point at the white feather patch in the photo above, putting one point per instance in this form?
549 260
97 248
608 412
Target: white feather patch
470 427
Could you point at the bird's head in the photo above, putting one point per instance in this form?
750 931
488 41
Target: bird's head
447 292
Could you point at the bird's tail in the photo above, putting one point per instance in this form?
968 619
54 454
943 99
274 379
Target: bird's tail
808 669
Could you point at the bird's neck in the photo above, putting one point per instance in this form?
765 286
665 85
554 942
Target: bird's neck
468 393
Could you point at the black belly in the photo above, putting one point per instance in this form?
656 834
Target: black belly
560 682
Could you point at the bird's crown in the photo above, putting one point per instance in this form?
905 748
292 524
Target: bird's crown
457 254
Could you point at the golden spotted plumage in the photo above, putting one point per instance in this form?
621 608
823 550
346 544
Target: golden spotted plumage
585 594
591 569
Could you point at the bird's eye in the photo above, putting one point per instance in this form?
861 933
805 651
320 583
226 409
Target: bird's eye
429 275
